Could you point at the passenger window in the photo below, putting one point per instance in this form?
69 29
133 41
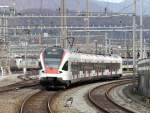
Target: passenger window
40 65
65 67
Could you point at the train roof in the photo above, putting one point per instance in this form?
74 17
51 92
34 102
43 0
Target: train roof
81 57
74 56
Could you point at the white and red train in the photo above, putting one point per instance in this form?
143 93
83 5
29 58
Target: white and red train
63 67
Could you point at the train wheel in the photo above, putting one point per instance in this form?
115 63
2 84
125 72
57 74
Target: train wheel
68 83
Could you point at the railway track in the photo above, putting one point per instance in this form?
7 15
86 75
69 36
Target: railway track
38 102
41 102
100 97
19 85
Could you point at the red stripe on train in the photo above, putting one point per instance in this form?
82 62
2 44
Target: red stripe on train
51 71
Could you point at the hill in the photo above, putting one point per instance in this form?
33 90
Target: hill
73 5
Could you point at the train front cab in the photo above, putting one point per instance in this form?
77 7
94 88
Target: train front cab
56 80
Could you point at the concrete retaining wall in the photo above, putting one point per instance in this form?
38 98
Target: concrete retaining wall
143 69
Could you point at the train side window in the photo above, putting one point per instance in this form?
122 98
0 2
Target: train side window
65 67
40 65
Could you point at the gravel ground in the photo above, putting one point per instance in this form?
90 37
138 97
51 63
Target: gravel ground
80 101
10 102
7 80
121 99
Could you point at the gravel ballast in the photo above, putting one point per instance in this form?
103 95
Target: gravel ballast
7 80
10 102
80 102
119 97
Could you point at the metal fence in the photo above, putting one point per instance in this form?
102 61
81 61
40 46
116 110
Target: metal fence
143 69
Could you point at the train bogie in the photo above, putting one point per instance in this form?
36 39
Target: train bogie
54 81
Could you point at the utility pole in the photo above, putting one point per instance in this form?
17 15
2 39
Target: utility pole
109 44
63 39
144 47
25 57
14 7
134 36
25 54
41 6
141 29
87 22
78 7
106 43
125 37
95 42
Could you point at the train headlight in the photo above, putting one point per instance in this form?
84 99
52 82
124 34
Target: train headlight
60 71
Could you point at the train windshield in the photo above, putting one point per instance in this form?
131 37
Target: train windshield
53 57
128 62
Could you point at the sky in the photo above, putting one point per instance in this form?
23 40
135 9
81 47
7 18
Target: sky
115 1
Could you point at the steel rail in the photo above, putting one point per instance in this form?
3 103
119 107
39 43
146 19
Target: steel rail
107 94
100 107
28 101
50 102
18 86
